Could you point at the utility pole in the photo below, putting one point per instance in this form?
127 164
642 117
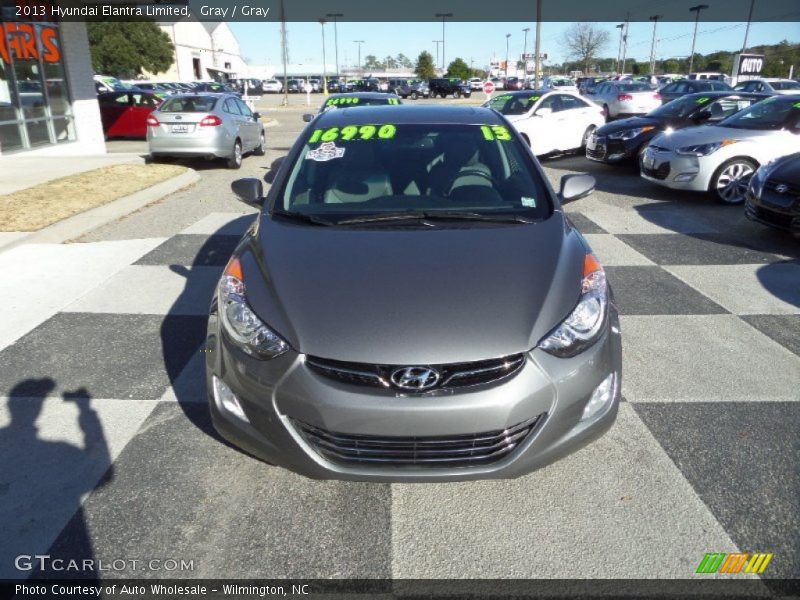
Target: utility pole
696 10
437 42
747 31
508 35
324 61
525 43
621 28
537 49
654 19
625 42
443 16
284 55
359 42
335 16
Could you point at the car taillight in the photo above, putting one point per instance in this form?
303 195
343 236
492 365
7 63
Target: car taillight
623 97
152 121
210 121
657 96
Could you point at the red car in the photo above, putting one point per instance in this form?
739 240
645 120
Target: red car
124 113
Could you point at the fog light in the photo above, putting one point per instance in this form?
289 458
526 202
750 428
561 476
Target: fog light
602 395
226 400
686 176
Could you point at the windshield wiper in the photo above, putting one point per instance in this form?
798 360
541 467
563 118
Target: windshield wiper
303 218
430 216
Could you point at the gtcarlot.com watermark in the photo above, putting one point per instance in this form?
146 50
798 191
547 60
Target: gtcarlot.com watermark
43 562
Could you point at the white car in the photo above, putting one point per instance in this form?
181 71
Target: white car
562 84
475 83
771 85
722 158
271 86
625 98
550 120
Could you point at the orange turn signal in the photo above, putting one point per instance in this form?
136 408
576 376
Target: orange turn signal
591 264
234 268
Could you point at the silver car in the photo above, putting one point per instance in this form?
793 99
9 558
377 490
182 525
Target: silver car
722 158
412 304
625 98
205 125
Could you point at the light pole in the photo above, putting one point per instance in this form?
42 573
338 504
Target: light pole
443 16
508 35
696 10
536 50
284 55
335 16
324 61
525 43
654 19
359 42
437 42
621 28
747 30
625 43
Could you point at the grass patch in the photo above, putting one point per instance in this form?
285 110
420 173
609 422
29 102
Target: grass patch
44 204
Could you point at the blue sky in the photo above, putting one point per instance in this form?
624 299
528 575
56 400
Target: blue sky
260 42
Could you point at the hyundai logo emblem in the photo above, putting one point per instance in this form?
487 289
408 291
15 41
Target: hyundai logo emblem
415 379
782 188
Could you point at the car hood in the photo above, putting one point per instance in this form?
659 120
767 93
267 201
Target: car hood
405 296
631 123
704 134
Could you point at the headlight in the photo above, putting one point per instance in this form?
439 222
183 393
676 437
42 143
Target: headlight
240 322
704 149
629 134
586 322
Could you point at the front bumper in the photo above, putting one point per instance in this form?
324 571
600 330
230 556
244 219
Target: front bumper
774 210
601 148
675 171
277 394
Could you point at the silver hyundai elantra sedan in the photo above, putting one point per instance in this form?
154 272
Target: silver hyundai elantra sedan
412 304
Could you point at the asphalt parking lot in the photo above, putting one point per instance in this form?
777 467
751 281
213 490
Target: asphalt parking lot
103 369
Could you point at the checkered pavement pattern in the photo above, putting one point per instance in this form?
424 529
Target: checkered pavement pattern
109 452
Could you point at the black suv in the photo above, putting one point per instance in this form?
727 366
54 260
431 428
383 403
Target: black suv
408 88
447 87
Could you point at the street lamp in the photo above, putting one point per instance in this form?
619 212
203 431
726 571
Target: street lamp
437 42
324 61
696 10
508 35
443 17
359 42
335 16
747 30
525 43
621 28
654 19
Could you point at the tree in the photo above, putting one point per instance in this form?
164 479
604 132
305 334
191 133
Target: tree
391 62
584 41
372 62
459 69
424 68
404 61
126 48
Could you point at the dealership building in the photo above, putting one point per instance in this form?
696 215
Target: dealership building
48 104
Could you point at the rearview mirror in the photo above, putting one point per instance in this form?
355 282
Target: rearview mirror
249 190
308 117
575 187
703 115
543 112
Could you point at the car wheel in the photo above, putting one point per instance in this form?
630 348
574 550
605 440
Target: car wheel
456 94
729 182
235 161
261 149
586 135
413 95
606 112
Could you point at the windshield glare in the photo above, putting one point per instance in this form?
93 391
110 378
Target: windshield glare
772 113
189 104
370 169
514 104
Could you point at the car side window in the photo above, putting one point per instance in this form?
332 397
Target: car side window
668 89
550 102
231 107
571 102
243 108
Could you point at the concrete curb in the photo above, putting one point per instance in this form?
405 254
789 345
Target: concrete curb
84 222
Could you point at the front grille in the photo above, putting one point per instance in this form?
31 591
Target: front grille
660 173
780 220
465 450
452 375
598 152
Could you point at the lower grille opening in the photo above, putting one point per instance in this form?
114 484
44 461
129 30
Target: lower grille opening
464 450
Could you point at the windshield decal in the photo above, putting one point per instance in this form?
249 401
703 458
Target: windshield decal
533 98
327 151
496 132
339 101
703 100
353 132
394 101
796 104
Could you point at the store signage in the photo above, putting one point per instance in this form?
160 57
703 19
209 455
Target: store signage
19 40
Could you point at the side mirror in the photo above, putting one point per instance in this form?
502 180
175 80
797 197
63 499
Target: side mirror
575 187
543 112
308 117
256 116
249 190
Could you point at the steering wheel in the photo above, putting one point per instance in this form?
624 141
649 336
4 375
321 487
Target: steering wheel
467 173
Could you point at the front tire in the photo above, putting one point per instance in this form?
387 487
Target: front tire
413 95
261 149
235 161
585 140
606 112
729 182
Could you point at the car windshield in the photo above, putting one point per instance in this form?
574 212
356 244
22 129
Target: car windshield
633 87
189 104
349 101
513 104
382 169
785 85
773 113
562 82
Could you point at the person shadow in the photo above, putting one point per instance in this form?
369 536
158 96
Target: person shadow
43 482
